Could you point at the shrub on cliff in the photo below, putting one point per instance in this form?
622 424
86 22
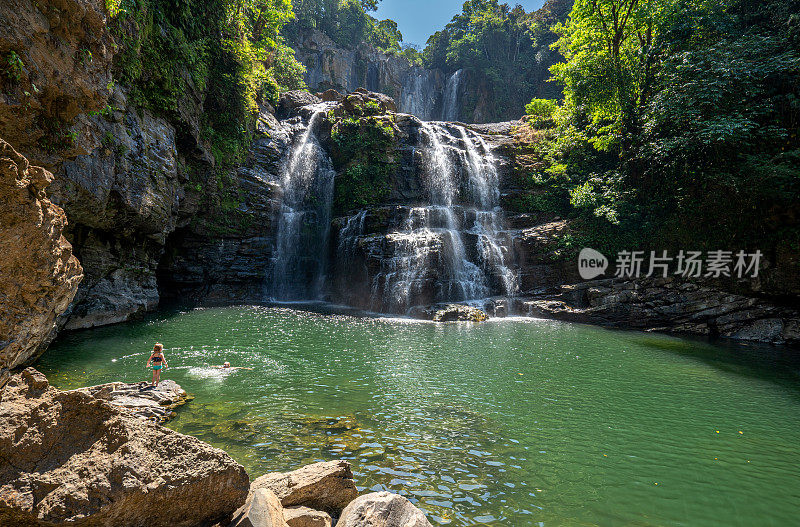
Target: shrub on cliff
362 152
229 53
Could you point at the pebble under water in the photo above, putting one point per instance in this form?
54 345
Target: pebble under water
511 422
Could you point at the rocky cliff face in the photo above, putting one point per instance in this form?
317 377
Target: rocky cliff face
224 257
418 91
429 94
123 199
39 273
55 60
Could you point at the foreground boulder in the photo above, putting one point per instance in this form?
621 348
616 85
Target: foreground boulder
262 509
305 517
39 273
327 486
70 457
154 403
457 312
382 509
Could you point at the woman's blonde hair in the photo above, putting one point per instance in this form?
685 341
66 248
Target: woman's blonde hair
158 347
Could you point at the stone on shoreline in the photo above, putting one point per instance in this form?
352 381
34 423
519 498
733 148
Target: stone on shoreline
141 399
72 457
327 486
305 517
262 509
382 509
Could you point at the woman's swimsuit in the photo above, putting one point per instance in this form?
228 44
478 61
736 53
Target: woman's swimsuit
157 359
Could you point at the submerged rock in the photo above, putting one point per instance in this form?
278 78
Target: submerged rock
458 312
326 486
141 399
382 509
71 457
40 275
262 509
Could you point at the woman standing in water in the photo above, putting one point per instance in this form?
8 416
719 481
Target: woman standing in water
158 361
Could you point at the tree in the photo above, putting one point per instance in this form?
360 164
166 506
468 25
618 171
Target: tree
505 49
608 72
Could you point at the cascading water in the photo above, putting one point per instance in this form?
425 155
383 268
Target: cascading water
418 94
492 241
450 104
305 216
446 250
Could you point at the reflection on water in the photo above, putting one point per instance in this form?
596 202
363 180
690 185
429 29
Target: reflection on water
511 422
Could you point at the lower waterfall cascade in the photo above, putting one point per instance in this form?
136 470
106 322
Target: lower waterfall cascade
303 223
451 246
462 247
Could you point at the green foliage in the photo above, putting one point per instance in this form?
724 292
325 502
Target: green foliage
230 52
505 48
113 7
362 149
679 126
57 135
361 185
13 66
540 111
412 54
609 50
348 23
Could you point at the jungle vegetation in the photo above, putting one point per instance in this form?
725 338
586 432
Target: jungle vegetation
679 124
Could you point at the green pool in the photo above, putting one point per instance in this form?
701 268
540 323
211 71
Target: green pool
512 422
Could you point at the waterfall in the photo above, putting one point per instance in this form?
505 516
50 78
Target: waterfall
418 94
303 222
452 248
450 106
492 241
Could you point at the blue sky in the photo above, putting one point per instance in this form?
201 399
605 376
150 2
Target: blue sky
419 19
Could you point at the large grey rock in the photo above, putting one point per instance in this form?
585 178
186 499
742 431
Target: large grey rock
328 66
668 304
225 266
262 509
306 517
122 200
326 486
291 100
382 509
71 457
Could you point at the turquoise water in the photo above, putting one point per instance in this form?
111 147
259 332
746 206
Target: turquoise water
511 422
